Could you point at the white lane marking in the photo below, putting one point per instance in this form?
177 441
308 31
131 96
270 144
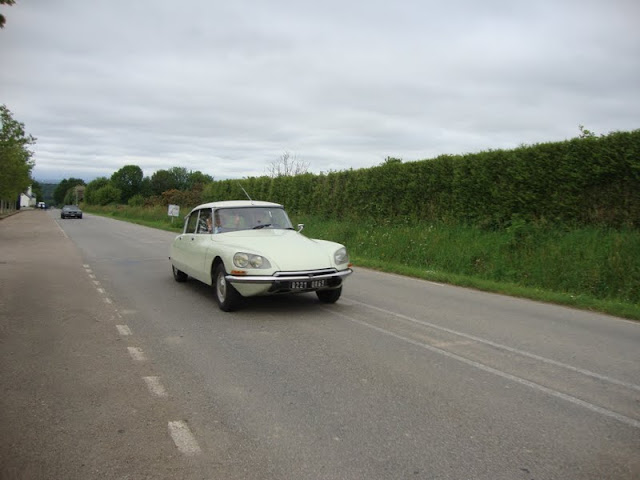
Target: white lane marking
504 347
124 330
86 265
183 438
136 353
101 290
452 344
96 282
107 300
62 230
576 401
154 386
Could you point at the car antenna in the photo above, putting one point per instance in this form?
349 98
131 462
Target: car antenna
245 192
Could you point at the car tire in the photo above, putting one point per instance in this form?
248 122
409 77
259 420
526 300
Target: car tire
329 296
179 275
227 297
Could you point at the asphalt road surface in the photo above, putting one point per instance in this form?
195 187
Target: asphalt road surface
112 370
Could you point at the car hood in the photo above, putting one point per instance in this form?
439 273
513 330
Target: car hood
287 250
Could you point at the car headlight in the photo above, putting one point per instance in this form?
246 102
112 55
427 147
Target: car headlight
341 256
248 260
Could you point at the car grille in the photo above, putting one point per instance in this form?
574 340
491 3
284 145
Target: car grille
308 273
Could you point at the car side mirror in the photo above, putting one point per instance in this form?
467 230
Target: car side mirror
300 227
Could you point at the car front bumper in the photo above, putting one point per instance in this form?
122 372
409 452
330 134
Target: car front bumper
288 282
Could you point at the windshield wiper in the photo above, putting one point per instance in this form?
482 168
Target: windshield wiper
261 226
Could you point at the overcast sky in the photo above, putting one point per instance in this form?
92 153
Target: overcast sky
226 87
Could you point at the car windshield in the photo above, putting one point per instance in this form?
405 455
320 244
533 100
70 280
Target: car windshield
248 218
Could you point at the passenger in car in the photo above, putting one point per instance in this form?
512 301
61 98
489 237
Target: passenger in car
220 220
226 221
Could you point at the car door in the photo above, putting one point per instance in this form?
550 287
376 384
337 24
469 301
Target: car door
201 246
199 243
182 245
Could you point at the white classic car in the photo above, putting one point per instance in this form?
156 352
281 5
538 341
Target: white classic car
246 248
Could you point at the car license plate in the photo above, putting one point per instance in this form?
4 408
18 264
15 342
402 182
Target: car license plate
310 284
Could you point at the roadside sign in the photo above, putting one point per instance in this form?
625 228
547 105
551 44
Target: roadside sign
174 210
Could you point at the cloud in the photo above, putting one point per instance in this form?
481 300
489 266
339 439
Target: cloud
227 87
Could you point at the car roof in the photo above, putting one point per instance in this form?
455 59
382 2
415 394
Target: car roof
238 204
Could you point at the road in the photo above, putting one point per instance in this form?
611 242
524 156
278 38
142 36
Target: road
111 369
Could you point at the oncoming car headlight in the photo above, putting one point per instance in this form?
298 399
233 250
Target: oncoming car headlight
341 256
248 260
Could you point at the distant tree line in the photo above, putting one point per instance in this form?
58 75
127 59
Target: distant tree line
588 180
176 185
129 186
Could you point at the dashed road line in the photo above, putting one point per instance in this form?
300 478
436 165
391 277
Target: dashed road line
183 438
180 433
155 387
137 354
124 330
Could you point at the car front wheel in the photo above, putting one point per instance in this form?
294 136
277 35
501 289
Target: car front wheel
227 297
179 275
329 296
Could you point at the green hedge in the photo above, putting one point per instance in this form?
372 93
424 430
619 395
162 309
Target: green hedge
583 181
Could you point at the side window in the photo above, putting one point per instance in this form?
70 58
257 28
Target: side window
204 222
192 223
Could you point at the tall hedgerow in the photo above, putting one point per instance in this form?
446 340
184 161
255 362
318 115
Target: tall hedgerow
582 181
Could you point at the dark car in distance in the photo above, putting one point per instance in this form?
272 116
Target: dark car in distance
70 211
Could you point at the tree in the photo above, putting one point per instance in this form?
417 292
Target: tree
108 195
198 178
584 133
287 166
5 2
128 180
15 156
391 161
74 195
63 188
161 181
36 189
177 178
145 187
180 178
90 193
